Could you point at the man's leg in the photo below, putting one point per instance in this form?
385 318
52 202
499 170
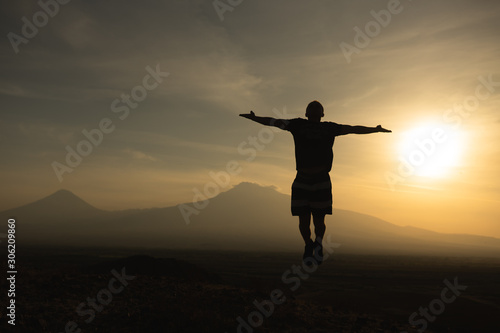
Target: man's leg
304 227
319 230
305 231
319 227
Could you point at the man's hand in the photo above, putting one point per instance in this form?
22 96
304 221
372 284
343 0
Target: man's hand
268 121
250 115
381 129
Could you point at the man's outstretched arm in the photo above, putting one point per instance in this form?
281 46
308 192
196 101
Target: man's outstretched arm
348 129
268 121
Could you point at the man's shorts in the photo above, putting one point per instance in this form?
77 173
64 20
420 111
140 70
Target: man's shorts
312 193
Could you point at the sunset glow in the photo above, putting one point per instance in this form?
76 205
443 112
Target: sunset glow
139 109
432 149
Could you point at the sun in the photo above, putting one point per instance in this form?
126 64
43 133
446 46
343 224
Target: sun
432 150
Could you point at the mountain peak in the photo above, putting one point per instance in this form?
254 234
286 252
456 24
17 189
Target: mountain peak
248 190
62 203
251 186
62 194
64 197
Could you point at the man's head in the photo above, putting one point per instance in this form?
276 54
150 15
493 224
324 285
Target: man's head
314 111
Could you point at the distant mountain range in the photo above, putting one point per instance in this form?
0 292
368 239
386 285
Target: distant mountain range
246 217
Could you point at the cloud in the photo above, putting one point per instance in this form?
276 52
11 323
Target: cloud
139 155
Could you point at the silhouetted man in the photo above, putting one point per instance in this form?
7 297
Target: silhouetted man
312 188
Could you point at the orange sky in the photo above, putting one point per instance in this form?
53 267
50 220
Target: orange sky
432 67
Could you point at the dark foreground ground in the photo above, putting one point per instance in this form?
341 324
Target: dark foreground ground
68 290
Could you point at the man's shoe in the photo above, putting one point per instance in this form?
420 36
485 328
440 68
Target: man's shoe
308 253
318 252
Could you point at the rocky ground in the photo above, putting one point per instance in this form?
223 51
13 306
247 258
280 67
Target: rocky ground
66 293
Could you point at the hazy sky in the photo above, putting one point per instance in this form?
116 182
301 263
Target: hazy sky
427 66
